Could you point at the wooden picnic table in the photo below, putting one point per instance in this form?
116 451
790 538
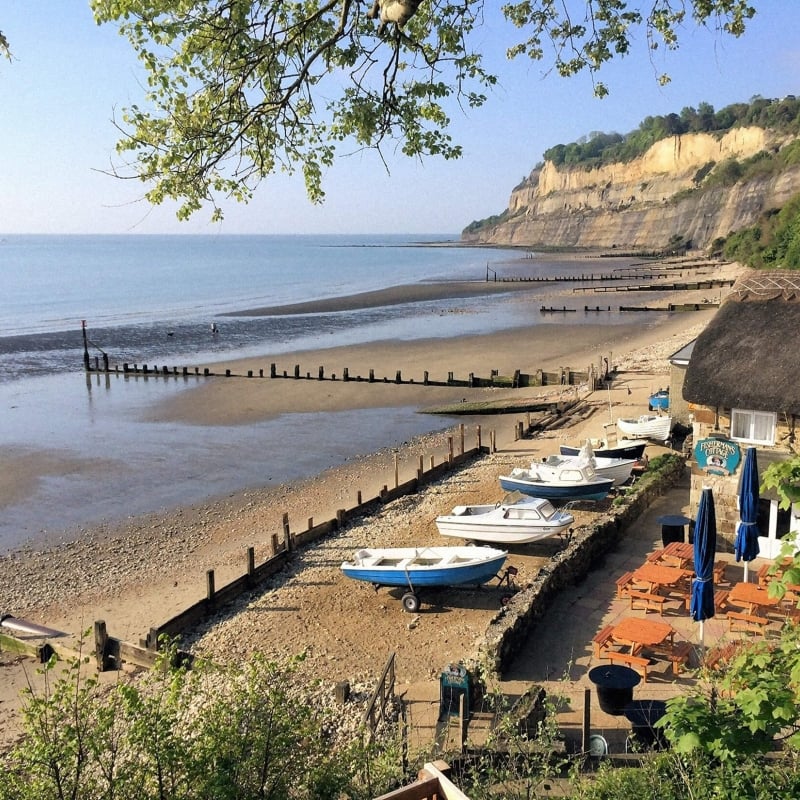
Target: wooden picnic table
677 554
765 578
637 633
751 596
655 575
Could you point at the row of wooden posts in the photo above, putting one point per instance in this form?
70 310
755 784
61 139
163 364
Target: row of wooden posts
519 379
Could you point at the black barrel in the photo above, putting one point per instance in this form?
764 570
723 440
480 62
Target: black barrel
614 685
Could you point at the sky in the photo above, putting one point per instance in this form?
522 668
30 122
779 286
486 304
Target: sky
69 78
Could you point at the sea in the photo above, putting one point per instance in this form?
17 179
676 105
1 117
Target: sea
84 448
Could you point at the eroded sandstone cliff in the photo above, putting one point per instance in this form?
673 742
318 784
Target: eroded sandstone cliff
645 203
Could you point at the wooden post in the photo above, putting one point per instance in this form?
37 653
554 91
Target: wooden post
346 374
287 536
341 517
420 468
587 693
397 377
478 432
321 373
431 462
210 588
275 546
449 449
372 376
461 434
310 523
85 346
463 722
396 472
358 497
492 442
251 561
272 371
296 370
425 378
100 644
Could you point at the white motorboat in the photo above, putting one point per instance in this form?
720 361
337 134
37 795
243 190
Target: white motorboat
519 522
618 469
572 482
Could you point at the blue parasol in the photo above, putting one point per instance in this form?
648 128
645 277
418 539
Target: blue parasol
746 544
705 545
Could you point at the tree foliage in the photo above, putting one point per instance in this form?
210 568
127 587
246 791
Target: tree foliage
238 90
772 243
211 732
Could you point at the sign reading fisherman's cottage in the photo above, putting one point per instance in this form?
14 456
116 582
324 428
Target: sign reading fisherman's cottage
717 456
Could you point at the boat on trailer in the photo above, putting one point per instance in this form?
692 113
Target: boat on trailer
415 567
524 520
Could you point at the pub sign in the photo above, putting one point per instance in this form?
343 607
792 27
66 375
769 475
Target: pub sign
717 456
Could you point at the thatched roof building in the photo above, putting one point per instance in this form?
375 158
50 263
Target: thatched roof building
749 354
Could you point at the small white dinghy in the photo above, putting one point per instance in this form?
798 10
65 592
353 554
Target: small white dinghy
647 426
509 522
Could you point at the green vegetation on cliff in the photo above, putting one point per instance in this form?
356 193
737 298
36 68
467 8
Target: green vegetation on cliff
782 116
772 243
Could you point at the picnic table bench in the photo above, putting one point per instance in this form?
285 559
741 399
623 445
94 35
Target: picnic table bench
603 640
647 601
748 623
638 663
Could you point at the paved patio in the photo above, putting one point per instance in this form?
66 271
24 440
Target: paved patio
560 655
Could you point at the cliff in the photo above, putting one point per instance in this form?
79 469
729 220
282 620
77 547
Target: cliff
645 203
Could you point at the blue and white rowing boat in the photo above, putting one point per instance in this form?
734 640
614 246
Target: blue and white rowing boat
414 567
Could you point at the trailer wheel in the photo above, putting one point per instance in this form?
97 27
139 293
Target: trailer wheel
410 602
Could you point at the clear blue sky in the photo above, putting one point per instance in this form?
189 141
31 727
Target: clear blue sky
69 75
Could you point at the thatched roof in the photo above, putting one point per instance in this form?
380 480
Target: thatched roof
749 354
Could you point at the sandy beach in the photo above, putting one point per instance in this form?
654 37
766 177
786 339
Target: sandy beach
137 574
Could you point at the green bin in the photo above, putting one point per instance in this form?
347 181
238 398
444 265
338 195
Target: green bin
454 683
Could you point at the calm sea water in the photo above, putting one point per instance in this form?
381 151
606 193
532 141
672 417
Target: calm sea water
151 300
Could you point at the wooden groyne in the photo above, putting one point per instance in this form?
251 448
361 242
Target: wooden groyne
518 379
688 286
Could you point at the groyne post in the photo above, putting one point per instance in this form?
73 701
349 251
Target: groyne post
100 645
287 536
210 587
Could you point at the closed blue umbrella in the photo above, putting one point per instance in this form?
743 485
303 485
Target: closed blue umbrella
705 545
746 543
